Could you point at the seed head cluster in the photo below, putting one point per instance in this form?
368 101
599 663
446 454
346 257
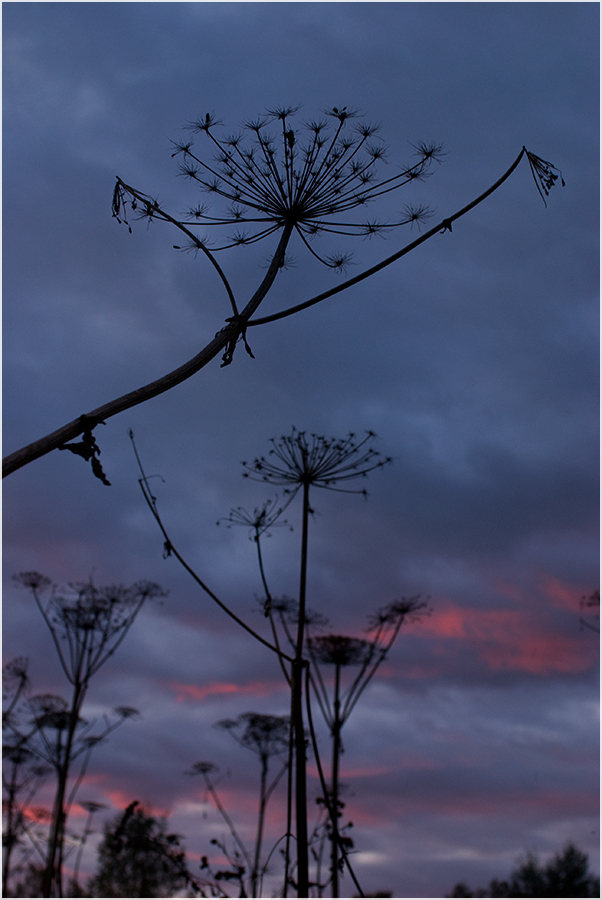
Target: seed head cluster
296 460
340 650
545 174
271 173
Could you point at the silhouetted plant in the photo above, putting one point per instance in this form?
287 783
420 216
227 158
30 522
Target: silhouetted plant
341 651
307 181
238 856
91 807
324 832
295 463
22 771
269 737
87 625
298 463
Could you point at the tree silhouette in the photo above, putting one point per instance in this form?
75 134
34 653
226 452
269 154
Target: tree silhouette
139 858
307 181
565 875
87 625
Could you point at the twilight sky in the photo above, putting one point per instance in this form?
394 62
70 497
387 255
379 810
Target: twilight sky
474 359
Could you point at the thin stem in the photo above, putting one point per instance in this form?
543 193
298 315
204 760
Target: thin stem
260 823
171 551
199 244
300 752
322 779
226 817
444 225
270 613
289 802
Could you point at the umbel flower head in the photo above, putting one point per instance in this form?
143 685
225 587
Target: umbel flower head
260 520
271 174
545 174
339 650
297 460
264 734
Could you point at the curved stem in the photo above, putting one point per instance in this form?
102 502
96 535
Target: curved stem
223 339
444 225
171 550
270 612
197 243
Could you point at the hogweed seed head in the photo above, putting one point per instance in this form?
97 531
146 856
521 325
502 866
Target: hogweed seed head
545 174
297 460
260 520
338 650
308 177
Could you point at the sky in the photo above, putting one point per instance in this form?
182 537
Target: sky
474 360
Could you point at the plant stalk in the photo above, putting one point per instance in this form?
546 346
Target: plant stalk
297 707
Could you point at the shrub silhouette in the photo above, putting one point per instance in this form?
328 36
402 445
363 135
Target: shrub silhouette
139 858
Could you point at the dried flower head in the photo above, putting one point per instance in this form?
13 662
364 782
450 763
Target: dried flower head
202 768
272 173
338 650
288 611
413 608
49 711
91 806
265 735
297 460
260 520
545 174
91 620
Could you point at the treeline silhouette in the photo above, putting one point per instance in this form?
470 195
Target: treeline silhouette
566 874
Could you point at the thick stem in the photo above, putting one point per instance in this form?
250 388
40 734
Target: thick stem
297 687
53 874
336 752
223 338
289 796
10 837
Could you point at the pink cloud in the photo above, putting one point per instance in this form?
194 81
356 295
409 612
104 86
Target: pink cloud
513 639
562 594
195 692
